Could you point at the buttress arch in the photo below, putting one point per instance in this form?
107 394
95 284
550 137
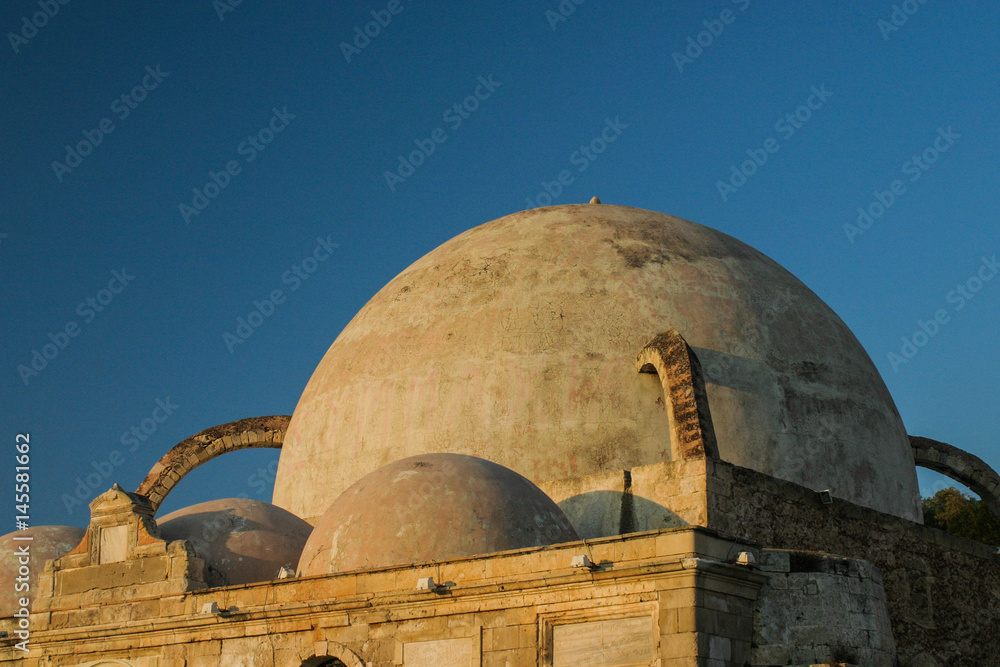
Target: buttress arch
669 356
185 456
961 466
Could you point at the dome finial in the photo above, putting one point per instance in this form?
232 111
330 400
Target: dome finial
595 200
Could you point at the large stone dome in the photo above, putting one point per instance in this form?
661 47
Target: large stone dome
432 507
516 341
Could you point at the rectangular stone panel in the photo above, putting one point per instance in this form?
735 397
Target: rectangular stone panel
114 544
440 653
619 642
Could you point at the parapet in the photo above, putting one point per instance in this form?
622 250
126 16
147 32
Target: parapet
120 558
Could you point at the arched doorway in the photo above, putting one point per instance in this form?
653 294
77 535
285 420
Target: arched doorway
329 654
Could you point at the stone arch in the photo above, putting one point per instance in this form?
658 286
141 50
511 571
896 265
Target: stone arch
961 466
203 447
321 653
669 356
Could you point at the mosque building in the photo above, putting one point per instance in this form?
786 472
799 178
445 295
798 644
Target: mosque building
577 436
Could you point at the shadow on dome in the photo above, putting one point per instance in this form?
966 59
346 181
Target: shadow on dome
607 513
242 541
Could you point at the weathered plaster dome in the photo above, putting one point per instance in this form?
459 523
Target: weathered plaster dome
516 341
241 540
47 542
432 507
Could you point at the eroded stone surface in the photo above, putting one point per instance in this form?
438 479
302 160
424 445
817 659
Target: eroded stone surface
516 342
822 609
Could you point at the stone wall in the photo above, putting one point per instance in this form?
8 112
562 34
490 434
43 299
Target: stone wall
120 558
665 598
942 591
817 609
526 607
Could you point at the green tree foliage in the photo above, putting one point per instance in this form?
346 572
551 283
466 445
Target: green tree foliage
960 514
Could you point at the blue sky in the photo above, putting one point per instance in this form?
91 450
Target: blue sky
206 150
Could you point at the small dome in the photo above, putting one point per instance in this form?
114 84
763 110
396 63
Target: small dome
242 541
47 543
432 507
